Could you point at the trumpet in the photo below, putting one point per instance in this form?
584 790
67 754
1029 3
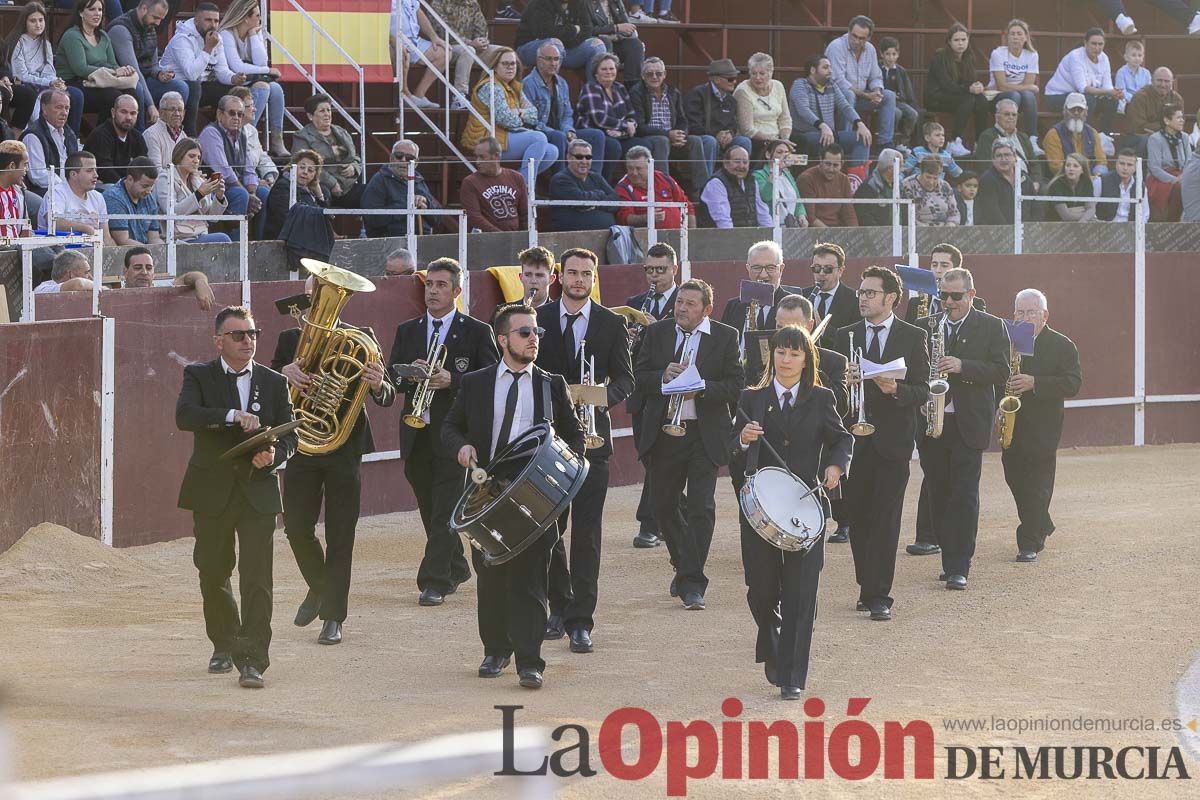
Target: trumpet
674 425
423 397
586 411
858 398
935 406
1010 404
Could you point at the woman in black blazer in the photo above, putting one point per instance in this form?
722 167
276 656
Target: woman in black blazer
799 419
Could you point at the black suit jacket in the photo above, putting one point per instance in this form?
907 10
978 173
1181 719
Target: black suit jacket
1054 366
895 417
469 346
635 402
204 401
982 344
843 307
607 343
833 377
1110 186
361 441
469 420
910 312
810 437
719 364
734 315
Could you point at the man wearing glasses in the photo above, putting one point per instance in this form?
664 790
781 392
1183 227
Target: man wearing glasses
578 183
828 294
388 188
764 264
220 402
497 404
550 95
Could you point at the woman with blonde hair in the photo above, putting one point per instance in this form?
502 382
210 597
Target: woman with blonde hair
762 105
1014 70
1073 181
246 52
516 118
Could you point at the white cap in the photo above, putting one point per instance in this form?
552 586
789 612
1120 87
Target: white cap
1075 100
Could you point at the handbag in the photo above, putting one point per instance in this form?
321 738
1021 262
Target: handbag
107 78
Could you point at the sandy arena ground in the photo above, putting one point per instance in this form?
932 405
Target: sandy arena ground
103 663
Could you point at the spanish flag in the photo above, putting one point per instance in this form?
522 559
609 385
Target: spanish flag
360 27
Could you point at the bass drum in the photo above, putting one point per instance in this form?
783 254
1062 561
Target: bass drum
775 505
530 484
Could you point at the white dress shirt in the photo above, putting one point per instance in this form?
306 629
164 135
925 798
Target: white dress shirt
689 354
446 321
523 419
957 326
580 324
243 387
667 300
38 172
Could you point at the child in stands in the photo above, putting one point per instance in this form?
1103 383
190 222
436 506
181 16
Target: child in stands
895 77
1133 75
935 144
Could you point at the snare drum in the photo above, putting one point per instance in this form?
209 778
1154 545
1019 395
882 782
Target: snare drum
775 505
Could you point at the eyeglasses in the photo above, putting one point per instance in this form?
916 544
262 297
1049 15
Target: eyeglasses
955 296
240 336
580 157
405 157
656 269
654 74
818 269
770 269
549 58
868 294
525 332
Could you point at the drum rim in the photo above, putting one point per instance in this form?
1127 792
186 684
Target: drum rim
801 545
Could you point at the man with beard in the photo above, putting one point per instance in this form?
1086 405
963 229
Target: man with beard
116 142
730 199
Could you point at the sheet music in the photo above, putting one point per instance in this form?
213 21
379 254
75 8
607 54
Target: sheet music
892 369
687 381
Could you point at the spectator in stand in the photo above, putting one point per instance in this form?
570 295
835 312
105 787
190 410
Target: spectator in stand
566 24
880 184
49 139
399 263
83 49
1074 135
341 176
712 111
1086 71
196 56
422 38
162 136
194 193
935 140
264 165
516 116
934 202
466 19
604 104
1178 10
1014 74
762 105
14 161
1005 130
77 205
134 194
388 188
493 196
1189 188
246 54
1131 77
952 86
661 119
823 117
223 144
139 274
1144 111
135 41
309 191
610 24
856 73
31 59
644 11
994 203
827 181
965 192
1120 182
71 272
578 182
1073 181
116 141
632 188
782 198
1168 154
731 198
548 92
895 79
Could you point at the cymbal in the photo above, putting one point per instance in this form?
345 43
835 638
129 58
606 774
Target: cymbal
261 440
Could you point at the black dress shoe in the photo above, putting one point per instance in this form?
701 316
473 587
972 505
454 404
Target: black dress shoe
674 586
880 612
790 692
531 679
923 549
581 641
693 601
219 663
956 582
250 678
840 536
1026 556
431 597
331 632
492 666
554 628
861 606
644 540
308 610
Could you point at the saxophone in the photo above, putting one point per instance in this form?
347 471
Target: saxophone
1010 404
935 406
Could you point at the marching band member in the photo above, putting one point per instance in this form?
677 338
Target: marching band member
764 263
875 492
428 465
690 460
799 417
1046 379
494 405
570 322
536 276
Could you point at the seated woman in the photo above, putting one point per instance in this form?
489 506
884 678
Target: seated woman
1169 152
340 177
308 190
792 411
246 54
516 117
194 193
934 202
1014 75
83 49
762 105
1073 181
32 63
604 104
783 199
953 86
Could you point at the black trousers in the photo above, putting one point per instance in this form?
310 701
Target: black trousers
782 594
206 93
925 532
574 591
679 463
952 469
437 482
334 477
875 496
1030 477
512 603
645 509
247 639
965 107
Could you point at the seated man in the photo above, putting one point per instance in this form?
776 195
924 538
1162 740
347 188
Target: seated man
822 115
1074 135
223 145
550 95
139 274
399 263
195 55
633 187
997 190
264 165
879 185
1120 183
578 182
49 139
77 206
162 136
712 111
731 198
493 196
658 111
116 141
1144 110
1005 130
134 36
388 188
856 72
824 181
70 272
134 194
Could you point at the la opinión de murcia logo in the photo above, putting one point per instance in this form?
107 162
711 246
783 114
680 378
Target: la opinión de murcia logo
853 749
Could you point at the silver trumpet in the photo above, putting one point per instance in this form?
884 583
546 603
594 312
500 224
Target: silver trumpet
674 425
423 397
858 398
586 411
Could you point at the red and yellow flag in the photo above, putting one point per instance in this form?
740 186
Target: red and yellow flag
360 27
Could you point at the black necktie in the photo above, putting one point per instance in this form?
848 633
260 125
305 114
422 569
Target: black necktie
762 317
934 307
824 308
437 327
569 339
658 298
952 334
786 405
682 344
874 351
233 379
510 410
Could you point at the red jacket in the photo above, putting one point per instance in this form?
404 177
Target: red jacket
665 190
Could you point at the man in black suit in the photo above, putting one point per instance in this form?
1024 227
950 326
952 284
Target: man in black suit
335 476
220 402
429 467
794 309
494 406
875 491
658 301
976 360
1121 182
1046 379
764 263
576 329
690 460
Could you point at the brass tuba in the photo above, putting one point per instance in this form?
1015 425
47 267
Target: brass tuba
1010 404
335 358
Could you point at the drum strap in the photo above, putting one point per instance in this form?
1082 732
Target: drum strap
547 409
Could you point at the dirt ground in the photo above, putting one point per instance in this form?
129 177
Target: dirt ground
103 663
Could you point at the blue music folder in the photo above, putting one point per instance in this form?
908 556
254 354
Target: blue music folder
1021 336
764 293
917 279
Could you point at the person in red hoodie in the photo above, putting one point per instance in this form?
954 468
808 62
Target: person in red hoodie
632 187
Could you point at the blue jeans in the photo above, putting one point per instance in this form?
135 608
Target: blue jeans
1027 108
578 57
526 144
810 143
656 6
268 98
886 110
239 203
208 238
702 159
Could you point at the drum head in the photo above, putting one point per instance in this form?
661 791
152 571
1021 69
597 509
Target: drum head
799 521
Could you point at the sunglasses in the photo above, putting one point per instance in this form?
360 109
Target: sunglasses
820 270
955 296
525 332
240 336
580 157
659 269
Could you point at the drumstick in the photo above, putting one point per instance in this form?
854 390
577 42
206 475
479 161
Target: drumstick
478 475
763 440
